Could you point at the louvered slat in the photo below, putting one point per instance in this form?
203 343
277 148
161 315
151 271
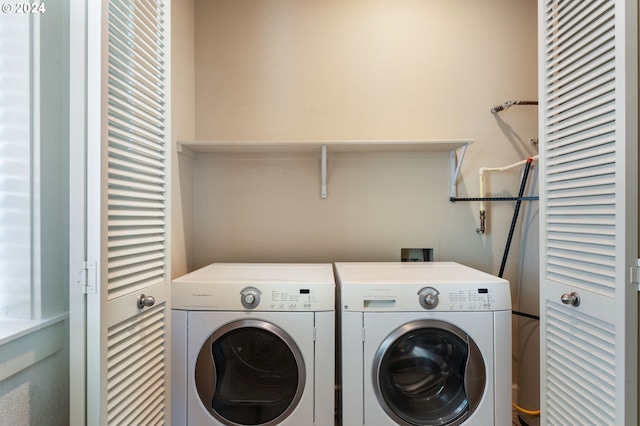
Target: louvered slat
119 202
146 149
125 193
120 237
133 174
144 236
131 184
149 267
135 222
135 259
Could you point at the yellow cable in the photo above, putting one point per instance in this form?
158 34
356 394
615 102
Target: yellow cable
524 411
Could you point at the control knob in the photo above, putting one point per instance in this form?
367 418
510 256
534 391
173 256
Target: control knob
250 297
428 297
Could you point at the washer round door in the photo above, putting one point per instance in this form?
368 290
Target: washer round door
429 372
250 372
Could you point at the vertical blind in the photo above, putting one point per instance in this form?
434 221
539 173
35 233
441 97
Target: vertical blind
15 166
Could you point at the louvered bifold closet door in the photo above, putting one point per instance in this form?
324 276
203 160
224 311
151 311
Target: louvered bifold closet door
134 248
589 209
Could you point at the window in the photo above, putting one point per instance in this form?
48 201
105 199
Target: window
34 225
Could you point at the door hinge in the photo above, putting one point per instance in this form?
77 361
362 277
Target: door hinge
87 277
314 334
363 334
634 275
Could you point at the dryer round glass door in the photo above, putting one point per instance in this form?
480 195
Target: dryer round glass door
429 372
250 372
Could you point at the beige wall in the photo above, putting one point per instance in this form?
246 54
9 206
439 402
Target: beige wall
360 69
182 128
339 70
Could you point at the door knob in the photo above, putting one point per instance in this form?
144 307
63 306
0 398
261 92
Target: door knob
572 299
145 301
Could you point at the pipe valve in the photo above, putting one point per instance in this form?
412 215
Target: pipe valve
483 215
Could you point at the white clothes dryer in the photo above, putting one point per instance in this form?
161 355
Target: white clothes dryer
425 343
254 344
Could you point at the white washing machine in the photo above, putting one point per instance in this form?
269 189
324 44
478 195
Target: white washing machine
424 343
254 344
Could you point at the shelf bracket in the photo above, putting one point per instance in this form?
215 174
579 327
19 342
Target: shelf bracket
455 167
323 170
186 151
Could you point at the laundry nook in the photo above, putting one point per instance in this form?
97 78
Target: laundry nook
319 212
